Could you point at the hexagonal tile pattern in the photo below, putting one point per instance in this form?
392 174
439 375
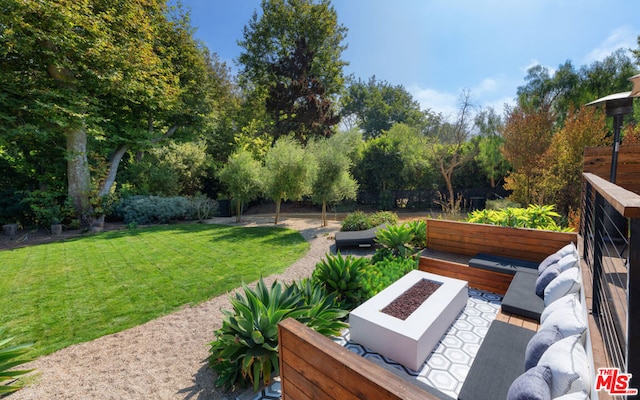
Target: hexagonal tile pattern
448 365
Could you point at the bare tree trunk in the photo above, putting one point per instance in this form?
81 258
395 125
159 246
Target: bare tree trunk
324 213
78 175
238 210
114 163
278 211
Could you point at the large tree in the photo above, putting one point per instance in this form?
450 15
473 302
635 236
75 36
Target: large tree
291 62
89 81
527 136
449 148
377 105
331 180
565 158
489 142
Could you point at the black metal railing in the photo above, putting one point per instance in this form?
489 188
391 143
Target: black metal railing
610 228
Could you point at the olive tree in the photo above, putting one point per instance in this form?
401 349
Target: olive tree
331 180
286 172
242 177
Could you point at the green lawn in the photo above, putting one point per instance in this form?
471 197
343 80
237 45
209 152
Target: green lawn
68 292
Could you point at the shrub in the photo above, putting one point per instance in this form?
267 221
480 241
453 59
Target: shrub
382 217
340 276
246 346
202 207
154 210
376 277
11 357
356 221
534 217
46 207
359 221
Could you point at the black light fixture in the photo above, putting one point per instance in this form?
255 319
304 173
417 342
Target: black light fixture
618 105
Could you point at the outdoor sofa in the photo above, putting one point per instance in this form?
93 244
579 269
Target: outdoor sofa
365 238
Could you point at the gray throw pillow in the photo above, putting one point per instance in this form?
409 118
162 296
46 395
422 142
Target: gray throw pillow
532 385
538 344
550 260
549 274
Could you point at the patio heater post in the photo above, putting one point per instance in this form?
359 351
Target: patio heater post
617 108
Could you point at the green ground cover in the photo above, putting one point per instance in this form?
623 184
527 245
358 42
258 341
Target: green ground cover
63 293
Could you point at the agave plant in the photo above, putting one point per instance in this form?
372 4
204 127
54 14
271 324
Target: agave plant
322 312
419 230
339 275
246 346
396 238
10 357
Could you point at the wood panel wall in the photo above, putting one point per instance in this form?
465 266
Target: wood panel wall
471 239
313 366
597 160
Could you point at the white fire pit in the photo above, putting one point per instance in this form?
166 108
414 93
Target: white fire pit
408 342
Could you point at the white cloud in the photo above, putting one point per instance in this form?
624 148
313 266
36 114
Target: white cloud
488 85
622 37
430 99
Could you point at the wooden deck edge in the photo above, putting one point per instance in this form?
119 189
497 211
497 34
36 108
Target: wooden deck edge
517 320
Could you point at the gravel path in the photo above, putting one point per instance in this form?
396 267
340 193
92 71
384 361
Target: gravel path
165 358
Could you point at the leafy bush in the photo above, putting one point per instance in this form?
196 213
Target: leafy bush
356 221
383 217
534 217
359 221
10 357
12 208
340 276
376 277
46 207
154 210
246 347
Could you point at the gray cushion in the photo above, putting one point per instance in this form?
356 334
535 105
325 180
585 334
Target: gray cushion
547 275
500 360
532 385
550 260
521 298
502 264
538 344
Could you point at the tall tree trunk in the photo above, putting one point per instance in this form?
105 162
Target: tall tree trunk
114 163
278 210
324 213
78 175
238 210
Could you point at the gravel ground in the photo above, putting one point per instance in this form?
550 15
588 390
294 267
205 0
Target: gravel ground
165 358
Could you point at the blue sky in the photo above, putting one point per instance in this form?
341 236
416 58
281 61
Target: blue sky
438 48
